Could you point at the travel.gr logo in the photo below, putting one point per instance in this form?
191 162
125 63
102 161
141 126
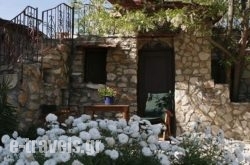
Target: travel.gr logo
90 147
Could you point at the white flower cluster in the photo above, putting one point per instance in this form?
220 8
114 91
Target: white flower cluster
113 139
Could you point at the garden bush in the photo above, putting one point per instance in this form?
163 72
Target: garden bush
81 140
8 118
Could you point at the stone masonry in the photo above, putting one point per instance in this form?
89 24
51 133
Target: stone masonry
197 97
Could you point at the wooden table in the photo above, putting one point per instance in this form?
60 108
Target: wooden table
108 108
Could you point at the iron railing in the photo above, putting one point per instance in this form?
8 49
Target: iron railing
27 35
22 37
85 26
82 24
19 38
58 23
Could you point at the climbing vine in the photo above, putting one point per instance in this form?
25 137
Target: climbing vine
117 20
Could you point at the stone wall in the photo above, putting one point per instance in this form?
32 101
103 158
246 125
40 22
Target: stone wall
55 74
196 95
198 98
38 84
121 68
26 96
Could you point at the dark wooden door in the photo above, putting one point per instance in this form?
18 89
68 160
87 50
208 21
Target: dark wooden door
155 73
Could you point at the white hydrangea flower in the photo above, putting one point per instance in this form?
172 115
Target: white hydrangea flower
76 121
156 128
144 135
94 133
20 162
99 146
134 118
122 123
50 162
73 131
146 151
163 159
239 155
110 141
208 132
112 128
113 154
48 154
85 135
152 139
92 124
8 159
103 124
77 162
143 143
152 147
51 117
63 156
63 137
76 140
21 141
85 117
40 131
89 149
123 138
15 134
69 120
135 134
5 139
134 127
220 136
55 131
81 126
119 131
34 163
164 145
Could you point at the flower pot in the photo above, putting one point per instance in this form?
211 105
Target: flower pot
108 100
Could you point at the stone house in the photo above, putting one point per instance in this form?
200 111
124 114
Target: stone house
137 65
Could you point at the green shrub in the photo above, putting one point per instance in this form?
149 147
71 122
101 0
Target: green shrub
199 150
8 118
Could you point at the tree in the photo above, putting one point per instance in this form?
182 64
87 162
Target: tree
230 35
233 41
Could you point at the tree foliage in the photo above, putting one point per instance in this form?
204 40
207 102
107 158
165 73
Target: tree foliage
231 36
150 17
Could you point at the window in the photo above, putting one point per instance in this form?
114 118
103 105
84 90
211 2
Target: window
95 65
218 68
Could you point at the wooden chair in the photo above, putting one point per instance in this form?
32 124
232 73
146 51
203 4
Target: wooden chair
167 122
156 113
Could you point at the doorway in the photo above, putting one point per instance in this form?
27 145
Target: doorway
155 72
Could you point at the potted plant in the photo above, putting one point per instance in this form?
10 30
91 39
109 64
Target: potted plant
108 94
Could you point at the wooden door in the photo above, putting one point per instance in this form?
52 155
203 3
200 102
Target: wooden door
155 72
